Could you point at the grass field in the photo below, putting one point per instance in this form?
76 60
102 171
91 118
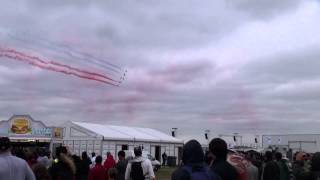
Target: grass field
164 173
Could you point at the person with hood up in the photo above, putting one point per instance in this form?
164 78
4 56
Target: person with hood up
109 162
224 169
194 165
63 167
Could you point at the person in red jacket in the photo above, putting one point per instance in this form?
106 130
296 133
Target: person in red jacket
98 172
109 162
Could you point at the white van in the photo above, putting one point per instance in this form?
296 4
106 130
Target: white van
155 163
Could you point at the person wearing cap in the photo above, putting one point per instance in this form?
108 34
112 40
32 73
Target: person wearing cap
12 167
146 166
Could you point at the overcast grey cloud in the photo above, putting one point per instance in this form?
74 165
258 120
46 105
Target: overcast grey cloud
265 8
229 66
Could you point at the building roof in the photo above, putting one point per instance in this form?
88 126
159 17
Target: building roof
128 133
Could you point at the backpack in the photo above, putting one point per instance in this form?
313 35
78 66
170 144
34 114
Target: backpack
136 171
204 173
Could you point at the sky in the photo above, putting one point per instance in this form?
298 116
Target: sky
243 66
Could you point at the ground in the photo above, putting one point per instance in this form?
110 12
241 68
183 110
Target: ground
164 173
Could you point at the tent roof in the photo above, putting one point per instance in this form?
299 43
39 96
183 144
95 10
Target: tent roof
128 133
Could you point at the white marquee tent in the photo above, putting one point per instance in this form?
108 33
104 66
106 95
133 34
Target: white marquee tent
98 138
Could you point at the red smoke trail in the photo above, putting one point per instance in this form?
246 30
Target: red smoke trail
58 64
82 71
19 58
57 67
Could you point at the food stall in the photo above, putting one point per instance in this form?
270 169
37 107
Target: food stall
26 133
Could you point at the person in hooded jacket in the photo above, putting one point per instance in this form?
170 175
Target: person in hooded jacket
109 162
194 165
63 167
224 169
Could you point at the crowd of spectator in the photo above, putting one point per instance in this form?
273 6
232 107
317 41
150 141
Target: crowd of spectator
218 163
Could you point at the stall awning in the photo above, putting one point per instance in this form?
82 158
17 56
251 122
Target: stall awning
29 139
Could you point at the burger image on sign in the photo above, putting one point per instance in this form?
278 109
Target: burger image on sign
57 132
20 126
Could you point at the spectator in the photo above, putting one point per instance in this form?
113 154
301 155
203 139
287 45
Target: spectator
298 167
164 158
13 168
256 160
41 172
307 163
315 166
77 163
290 154
252 170
284 169
121 165
85 166
98 172
31 158
63 167
109 162
93 159
139 167
194 166
239 163
43 159
112 174
271 170
225 170
209 158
